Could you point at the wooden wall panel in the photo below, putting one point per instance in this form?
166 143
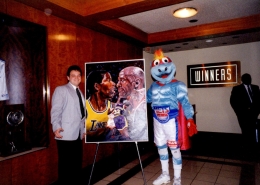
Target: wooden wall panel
99 43
3 6
6 172
82 45
112 53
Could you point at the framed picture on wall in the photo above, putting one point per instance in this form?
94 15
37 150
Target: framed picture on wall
116 101
221 74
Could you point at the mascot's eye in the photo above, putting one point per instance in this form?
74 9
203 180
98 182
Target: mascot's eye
165 60
156 62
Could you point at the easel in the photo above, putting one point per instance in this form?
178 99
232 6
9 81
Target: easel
96 157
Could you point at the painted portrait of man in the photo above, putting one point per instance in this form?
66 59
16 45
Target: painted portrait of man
116 101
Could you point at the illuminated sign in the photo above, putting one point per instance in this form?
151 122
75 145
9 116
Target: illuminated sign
221 74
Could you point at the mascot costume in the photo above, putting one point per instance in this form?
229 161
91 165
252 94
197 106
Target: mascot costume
170 104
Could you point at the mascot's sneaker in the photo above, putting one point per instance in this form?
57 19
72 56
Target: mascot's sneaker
162 179
177 181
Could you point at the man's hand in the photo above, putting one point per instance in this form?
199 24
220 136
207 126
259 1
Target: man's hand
57 133
84 135
192 128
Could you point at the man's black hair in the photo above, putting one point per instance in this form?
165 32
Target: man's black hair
94 77
73 68
246 79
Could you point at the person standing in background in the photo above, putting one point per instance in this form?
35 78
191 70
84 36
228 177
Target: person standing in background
245 101
68 121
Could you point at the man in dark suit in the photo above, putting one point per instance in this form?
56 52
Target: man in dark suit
244 100
68 122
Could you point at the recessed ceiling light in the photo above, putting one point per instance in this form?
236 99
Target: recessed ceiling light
193 20
209 40
185 12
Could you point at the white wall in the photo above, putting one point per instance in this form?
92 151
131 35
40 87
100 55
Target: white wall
214 113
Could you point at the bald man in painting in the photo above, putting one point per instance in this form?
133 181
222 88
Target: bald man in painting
132 92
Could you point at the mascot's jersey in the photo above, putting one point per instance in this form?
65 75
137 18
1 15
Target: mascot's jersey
170 95
96 119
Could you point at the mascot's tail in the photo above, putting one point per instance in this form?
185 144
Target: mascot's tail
183 136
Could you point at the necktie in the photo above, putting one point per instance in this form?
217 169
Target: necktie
80 103
250 92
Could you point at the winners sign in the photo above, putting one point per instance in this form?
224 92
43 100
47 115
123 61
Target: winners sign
221 74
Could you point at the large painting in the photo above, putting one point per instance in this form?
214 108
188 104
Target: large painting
116 101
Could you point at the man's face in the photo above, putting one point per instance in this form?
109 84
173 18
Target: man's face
74 78
124 85
107 87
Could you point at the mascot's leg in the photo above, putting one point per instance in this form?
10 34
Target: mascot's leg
160 141
177 161
164 158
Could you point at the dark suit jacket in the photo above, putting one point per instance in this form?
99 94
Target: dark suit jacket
241 103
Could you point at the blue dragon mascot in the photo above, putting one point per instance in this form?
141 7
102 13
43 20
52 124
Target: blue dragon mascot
169 101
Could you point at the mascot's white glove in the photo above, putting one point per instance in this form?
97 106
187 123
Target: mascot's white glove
192 128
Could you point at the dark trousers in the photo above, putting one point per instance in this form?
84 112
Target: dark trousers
248 127
69 161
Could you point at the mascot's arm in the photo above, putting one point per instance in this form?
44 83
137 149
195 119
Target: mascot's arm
192 128
187 108
149 95
182 96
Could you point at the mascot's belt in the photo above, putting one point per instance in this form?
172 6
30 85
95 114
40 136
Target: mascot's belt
163 113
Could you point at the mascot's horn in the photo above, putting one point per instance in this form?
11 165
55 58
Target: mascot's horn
158 54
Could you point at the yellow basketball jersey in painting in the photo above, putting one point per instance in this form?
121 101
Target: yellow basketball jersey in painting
96 119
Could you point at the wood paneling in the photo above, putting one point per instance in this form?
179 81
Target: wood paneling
103 18
123 27
6 172
85 8
219 28
81 46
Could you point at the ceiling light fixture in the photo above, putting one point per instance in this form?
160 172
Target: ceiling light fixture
185 12
209 40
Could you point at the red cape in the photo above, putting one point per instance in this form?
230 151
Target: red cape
183 137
